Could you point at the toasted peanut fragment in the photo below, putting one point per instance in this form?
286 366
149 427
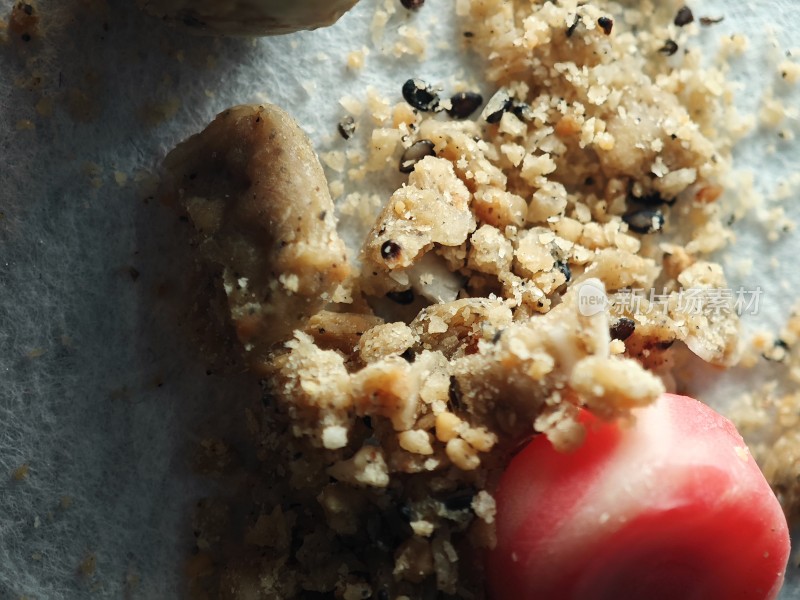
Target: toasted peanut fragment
340 331
456 142
385 340
713 331
415 441
619 269
499 208
367 467
389 389
532 255
464 456
549 201
490 251
315 384
613 386
455 328
479 438
257 196
432 209
447 426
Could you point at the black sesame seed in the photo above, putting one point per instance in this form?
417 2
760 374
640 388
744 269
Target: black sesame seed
708 21
571 29
408 355
669 48
402 297
454 393
26 37
390 250
645 221
495 116
468 34
464 104
606 24
497 105
522 110
778 353
460 500
651 199
415 153
622 328
406 512
412 4
347 127
420 95
684 16
564 268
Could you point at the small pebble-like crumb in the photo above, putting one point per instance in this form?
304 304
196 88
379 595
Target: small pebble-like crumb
21 472
88 566
334 437
484 506
357 58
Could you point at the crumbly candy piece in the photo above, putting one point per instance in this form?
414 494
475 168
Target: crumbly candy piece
432 209
602 167
384 340
537 365
456 328
257 196
341 331
248 17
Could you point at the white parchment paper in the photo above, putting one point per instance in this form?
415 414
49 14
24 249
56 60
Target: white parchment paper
99 394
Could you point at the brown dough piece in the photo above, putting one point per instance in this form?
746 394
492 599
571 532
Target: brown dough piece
249 17
258 198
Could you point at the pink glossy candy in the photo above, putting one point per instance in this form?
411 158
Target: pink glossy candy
672 508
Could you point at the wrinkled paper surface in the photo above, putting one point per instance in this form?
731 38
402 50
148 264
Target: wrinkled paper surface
100 395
